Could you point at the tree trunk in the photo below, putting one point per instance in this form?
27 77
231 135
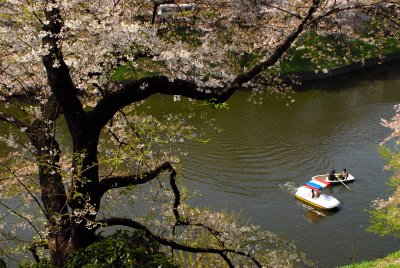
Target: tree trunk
53 194
87 194
67 231
56 211
60 248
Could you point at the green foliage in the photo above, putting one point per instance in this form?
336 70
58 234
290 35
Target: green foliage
385 217
121 250
44 263
181 32
311 54
385 221
217 105
127 71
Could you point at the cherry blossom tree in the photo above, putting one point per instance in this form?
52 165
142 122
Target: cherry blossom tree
58 61
385 213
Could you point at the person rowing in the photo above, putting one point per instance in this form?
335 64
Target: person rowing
332 176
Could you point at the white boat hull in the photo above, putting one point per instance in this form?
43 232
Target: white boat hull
323 201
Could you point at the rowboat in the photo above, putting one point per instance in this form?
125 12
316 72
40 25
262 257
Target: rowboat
310 194
325 177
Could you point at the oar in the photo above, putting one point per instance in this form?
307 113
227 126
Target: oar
344 184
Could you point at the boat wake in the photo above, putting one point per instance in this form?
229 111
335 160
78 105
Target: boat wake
288 187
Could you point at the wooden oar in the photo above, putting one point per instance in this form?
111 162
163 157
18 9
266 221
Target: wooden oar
338 178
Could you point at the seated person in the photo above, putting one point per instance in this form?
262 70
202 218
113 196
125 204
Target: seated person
344 174
332 176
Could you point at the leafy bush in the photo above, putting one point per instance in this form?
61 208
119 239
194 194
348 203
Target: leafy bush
44 263
122 249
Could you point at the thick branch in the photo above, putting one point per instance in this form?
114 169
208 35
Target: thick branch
141 89
58 73
124 181
138 226
276 54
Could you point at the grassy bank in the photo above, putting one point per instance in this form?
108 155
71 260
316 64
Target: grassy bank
390 261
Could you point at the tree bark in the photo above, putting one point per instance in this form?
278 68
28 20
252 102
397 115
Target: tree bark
53 195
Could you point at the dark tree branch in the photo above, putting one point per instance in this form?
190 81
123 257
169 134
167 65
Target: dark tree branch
138 226
32 195
13 121
124 181
116 2
20 81
58 73
22 217
24 186
35 255
33 248
275 56
141 89
284 10
383 12
177 194
385 16
226 259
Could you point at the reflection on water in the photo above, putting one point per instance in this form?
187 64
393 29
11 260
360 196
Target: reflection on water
314 215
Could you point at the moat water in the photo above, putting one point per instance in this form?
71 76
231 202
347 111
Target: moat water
265 151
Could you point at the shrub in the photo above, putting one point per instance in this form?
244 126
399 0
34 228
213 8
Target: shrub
122 249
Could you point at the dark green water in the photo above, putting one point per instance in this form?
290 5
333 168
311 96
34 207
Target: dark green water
266 151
